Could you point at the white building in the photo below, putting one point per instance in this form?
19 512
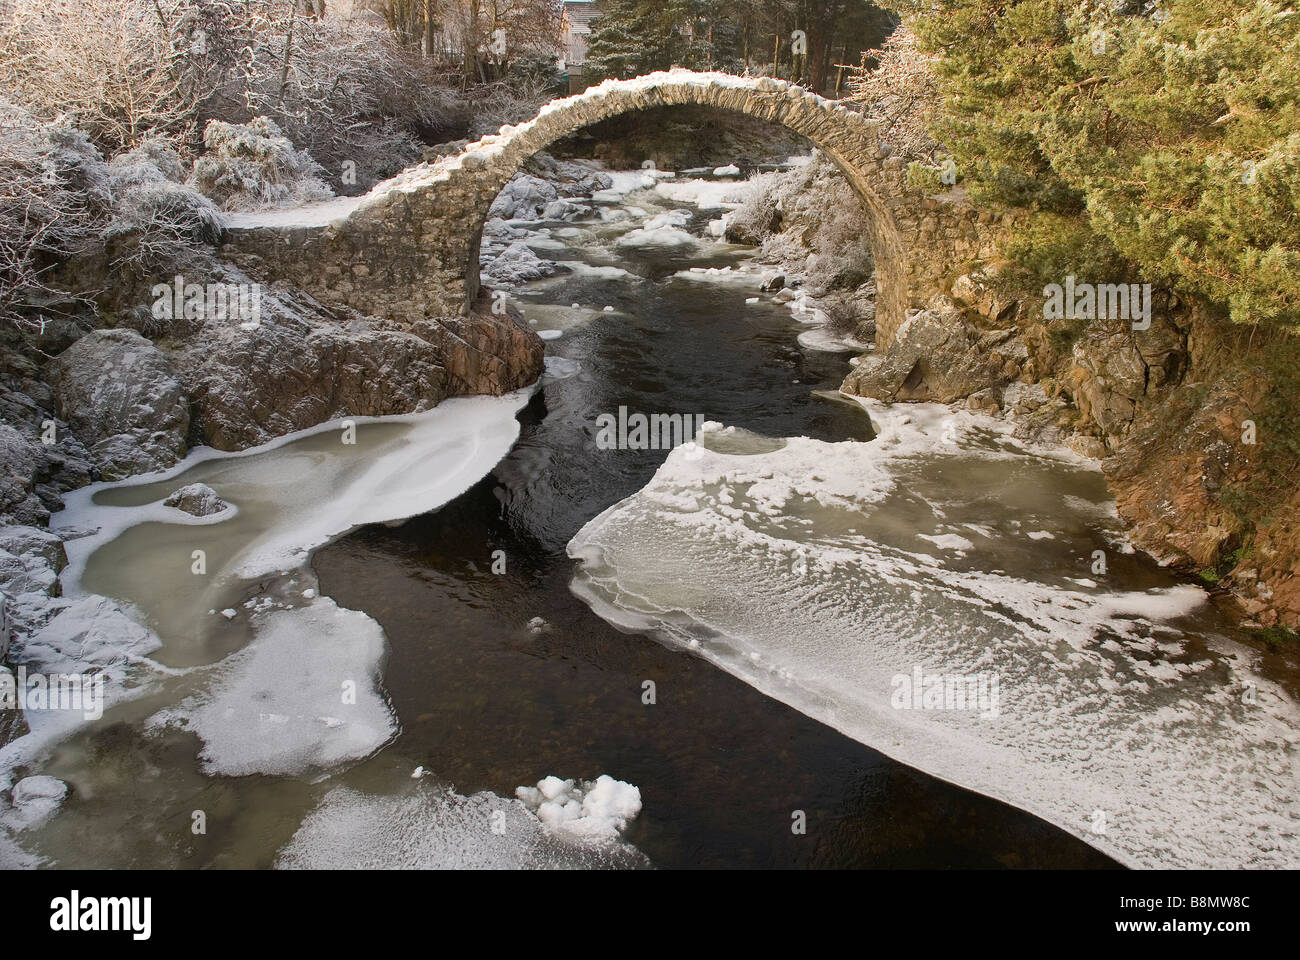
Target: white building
575 28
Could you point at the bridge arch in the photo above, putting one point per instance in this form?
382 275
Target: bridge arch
409 249
846 137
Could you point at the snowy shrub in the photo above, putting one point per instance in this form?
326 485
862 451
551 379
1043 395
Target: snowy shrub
253 165
125 70
54 200
512 102
159 217
759 217
810 219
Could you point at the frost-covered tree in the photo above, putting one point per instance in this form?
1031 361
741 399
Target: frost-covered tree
896 85
54 201
1163 136
109 67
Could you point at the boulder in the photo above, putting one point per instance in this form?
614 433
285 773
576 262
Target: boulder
89 634
938 355
516 264
303 365
33 473
197 499
120 394
36 542
33 800
525 197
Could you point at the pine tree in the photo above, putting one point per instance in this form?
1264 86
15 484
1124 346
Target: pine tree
633 37
1165 136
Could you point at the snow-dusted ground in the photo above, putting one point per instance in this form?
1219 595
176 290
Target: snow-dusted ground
823 572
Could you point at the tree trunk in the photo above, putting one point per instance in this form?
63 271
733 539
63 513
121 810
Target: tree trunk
473 69
288 52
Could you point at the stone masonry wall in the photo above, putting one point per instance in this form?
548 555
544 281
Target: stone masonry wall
408 250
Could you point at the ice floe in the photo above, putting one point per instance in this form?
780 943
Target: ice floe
820 572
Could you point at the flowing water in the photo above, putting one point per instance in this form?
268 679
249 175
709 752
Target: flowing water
483 656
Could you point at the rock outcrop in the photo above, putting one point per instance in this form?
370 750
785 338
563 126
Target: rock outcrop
121 395
939 355
303 365
40 457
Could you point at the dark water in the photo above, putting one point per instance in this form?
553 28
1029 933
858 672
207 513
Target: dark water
488 702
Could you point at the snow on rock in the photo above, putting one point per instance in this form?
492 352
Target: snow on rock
730 170
33 543
22 573
90 634
810 570
525 197
623 182
121 395
320 214
661 231
33 800
598 809
517 264
198 500
706 194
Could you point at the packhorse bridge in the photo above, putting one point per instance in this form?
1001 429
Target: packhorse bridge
409 249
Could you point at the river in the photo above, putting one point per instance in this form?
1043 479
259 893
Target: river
582 611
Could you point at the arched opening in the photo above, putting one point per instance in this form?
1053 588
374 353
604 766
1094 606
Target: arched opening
843 136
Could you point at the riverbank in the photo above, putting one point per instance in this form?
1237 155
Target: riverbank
230 714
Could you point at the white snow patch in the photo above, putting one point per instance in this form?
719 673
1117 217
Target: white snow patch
590 809
304 695
429 827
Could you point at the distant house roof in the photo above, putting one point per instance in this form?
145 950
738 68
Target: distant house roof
580 13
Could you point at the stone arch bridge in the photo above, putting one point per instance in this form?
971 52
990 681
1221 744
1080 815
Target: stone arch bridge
409 249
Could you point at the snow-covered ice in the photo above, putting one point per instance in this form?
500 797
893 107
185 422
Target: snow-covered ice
818 572
303 696
426 826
